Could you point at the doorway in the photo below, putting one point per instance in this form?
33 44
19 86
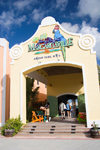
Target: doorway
73 102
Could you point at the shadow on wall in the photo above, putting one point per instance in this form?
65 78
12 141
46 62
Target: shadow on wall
5 83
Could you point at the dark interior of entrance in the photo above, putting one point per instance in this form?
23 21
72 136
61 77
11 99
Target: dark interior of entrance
72 99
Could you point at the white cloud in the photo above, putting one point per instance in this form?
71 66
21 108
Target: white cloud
7 19
85 29
20 20
61 4
37 15
70 27
90 8
23 4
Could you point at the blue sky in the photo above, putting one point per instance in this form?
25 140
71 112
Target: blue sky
19 19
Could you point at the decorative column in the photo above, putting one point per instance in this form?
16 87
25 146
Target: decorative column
3 77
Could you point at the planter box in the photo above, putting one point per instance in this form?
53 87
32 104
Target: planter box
9 132
95 133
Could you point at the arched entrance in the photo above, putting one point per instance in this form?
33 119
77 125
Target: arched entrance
72 52
72 100
59 78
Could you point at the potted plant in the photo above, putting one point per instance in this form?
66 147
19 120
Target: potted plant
8 128
9 132
94 131
11 127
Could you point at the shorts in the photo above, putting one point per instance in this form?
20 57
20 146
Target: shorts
47 112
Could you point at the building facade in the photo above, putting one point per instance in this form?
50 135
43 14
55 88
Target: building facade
65 62
4 81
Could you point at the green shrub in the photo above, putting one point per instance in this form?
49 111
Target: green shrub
15 124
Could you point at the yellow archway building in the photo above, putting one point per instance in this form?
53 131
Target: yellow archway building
64 61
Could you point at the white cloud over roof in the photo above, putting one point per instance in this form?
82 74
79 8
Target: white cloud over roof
85 29
61 4
90 8
8 18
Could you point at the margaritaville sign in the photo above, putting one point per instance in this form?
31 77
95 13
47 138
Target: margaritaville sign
45 44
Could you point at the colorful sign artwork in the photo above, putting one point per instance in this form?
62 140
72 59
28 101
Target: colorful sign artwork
45 44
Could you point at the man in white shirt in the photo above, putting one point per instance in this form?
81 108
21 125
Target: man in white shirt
62 109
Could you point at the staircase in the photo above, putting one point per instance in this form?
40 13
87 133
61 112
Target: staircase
54 128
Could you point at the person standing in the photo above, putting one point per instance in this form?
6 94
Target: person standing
62 109
46 109
68 109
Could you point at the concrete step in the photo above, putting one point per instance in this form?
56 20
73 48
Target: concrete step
53 128
53 124
70 130
52 133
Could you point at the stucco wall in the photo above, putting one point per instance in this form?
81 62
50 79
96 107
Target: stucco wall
67 83
1 76
77 56
4 81
42 95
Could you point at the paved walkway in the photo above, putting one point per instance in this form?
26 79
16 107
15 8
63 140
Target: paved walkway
48 144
